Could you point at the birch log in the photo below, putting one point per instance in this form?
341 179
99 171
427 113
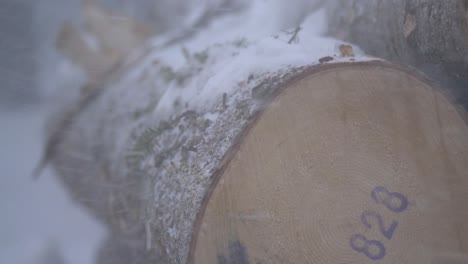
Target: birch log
431 35
270 151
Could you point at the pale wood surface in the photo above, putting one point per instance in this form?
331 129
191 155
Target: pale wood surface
295 190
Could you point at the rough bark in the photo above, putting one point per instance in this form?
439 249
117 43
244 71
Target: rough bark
141 154
431 35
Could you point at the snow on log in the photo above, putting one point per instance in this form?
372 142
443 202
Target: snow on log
268 150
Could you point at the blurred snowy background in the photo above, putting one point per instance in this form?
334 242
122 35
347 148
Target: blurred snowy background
39 223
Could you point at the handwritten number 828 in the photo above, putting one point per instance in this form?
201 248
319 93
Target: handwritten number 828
395 202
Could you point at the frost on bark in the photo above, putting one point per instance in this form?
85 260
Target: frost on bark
142 153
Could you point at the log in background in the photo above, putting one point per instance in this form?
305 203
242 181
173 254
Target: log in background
430 35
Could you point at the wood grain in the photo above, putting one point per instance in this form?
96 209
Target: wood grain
324 158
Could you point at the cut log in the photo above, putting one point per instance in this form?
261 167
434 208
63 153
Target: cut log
303 178
431 34
141 153
271 151
350 164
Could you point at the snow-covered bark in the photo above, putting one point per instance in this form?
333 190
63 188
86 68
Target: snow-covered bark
142 152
